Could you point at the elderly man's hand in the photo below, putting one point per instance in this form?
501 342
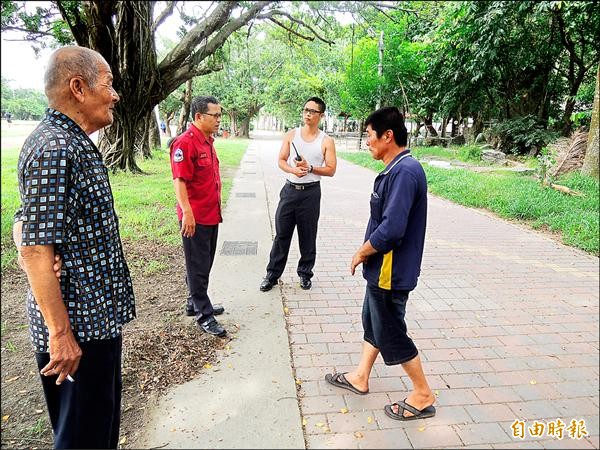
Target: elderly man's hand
57 267
65 355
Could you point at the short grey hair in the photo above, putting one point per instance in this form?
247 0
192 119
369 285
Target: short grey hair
200 104
68 62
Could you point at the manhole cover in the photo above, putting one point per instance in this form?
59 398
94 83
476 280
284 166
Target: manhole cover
231 248
246 194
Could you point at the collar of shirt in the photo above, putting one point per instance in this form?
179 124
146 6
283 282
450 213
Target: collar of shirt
63 121
395 161
194 130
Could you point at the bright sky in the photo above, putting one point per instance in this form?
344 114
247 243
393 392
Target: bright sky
20 65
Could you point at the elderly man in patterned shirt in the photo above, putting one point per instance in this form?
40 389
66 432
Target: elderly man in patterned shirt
67 212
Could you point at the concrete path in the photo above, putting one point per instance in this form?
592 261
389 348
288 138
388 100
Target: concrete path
506 321
248 399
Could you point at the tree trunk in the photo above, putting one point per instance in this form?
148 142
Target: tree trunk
153 135
443 127
120 142
245 128
477 125
418 128
168 119
185 108
429 125
233 120
591 161
360 133
127 136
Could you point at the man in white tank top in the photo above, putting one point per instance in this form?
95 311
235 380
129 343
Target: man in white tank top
306 155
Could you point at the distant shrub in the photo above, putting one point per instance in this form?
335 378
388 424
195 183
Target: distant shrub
523 135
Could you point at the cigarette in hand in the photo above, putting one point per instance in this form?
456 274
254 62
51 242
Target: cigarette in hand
70 378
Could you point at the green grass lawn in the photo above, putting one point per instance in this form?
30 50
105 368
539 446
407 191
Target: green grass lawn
145 203
518 197
465 153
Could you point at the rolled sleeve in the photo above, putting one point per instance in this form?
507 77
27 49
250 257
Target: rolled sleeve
396 210
44 199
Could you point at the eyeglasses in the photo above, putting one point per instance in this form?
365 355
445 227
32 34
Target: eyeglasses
216 116
311 111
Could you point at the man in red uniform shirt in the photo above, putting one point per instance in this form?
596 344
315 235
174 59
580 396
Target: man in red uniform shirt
197 181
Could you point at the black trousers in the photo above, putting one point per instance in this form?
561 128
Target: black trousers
87 413
297 208
199 251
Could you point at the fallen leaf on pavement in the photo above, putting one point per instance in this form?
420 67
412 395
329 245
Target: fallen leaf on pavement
421 428
358 435
533 382
369 419
344 410
5 418
304 422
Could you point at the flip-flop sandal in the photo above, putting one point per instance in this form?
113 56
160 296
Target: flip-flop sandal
339 380
424 413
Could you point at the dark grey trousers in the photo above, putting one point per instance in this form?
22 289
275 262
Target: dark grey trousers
297 209
199 251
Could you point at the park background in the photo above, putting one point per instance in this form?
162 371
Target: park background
499 99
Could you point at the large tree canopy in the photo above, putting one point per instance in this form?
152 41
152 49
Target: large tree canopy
124 33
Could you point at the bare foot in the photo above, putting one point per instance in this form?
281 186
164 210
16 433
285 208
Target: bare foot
362 384
419 401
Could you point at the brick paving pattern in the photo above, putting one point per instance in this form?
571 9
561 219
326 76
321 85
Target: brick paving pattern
505 319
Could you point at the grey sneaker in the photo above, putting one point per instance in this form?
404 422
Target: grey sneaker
211 326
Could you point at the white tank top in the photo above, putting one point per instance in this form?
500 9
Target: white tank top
311 152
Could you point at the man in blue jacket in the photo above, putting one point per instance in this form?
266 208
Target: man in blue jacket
391 258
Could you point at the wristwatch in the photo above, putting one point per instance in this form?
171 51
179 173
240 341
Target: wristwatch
311 169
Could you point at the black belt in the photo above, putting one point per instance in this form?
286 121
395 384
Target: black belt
302 186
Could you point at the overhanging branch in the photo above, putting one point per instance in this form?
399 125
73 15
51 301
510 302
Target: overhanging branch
269 15
164 15
290 30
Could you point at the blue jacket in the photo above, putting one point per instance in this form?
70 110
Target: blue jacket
397 224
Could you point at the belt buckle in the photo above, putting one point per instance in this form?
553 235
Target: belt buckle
298 187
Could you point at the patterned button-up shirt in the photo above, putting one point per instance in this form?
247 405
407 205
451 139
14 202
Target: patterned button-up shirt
66 201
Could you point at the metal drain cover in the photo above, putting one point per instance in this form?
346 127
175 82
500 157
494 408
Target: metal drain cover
231 248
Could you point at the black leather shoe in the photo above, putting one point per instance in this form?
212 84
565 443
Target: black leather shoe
217 310
267 284
211 326
305 283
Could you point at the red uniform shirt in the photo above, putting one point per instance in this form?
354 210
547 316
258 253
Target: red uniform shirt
194 159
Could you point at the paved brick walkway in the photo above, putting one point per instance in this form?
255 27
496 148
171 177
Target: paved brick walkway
506 321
